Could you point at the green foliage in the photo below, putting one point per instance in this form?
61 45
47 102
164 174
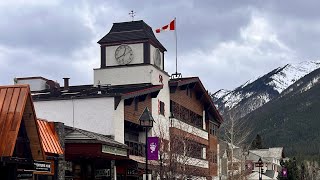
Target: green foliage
292 169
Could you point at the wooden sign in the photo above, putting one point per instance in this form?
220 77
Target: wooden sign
258 164
42 166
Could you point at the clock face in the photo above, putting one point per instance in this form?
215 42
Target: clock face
157 57
123 54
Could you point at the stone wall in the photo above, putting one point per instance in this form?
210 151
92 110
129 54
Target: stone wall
59 128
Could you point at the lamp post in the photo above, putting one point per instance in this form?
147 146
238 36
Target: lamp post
146 121
260 163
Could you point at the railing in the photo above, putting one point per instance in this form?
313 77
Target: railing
136 148
186 115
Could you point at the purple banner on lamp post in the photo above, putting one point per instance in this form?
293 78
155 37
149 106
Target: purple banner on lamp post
284 172
153 148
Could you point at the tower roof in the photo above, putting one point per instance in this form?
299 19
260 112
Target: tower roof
131 31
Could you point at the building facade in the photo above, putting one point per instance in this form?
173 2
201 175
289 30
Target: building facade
130 78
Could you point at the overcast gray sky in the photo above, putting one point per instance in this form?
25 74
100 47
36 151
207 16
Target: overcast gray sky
223 42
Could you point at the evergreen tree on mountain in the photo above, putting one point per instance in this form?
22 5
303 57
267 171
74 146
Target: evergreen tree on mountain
257 143
293 172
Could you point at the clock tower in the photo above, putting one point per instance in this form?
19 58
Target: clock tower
130 54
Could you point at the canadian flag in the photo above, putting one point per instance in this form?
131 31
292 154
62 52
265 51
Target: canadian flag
169 27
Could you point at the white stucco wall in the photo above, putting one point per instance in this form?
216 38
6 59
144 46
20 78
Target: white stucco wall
137 53
128 75
162 122
94 114
35 84
118 122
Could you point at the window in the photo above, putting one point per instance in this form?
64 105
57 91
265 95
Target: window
212 128
161 107
194 149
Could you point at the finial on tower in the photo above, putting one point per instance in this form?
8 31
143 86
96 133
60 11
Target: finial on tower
132 14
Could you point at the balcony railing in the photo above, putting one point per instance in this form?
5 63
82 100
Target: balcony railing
186 115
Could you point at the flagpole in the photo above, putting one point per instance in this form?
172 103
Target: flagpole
175 33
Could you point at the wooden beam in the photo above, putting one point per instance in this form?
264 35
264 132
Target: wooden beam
117 100
128 102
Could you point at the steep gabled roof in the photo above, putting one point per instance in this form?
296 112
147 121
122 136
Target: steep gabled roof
49 138
130 31
201 91
16 105
275 152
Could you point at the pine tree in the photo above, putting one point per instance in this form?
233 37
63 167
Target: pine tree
257 143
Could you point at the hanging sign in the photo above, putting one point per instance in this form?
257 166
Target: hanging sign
102 173
153 148
42 166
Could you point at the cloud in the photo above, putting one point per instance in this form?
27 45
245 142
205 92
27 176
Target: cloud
224 42
231 63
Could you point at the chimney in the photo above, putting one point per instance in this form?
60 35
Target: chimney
66 83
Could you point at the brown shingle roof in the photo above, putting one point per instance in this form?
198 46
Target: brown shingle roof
189 80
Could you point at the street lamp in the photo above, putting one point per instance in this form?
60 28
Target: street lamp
146 121
260 163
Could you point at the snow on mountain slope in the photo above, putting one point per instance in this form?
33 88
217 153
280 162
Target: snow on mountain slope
255 93
220 93
291 73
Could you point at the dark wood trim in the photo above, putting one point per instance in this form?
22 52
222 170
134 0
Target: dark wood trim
128 102
162 48
142 92
146 53
117 100
33 77
127 42
35 99
103 56
173 89
162 60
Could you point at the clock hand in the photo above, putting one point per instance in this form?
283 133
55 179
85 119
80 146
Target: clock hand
128 53
124 53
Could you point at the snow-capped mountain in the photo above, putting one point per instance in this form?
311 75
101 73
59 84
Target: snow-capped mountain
255 93
292 119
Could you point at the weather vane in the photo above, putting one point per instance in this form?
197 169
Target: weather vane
132 14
